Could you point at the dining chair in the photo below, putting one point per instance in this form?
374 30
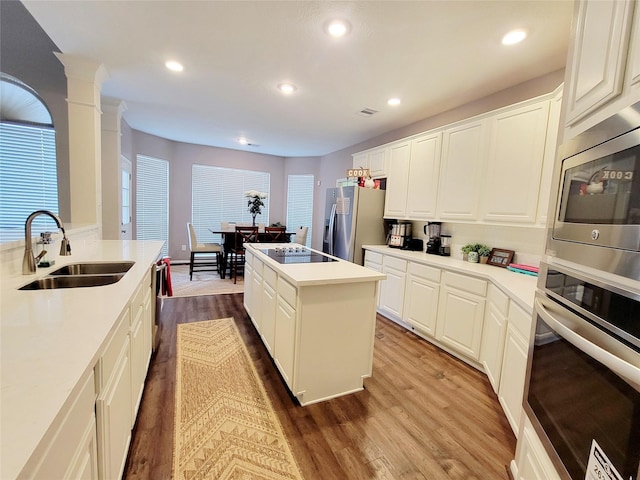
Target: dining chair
301 235
201 254
274 234
237 253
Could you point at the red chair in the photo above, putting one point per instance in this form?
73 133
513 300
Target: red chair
236 254
274 235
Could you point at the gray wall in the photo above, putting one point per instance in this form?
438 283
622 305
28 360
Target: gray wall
26 52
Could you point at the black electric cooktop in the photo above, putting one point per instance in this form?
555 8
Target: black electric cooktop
296 255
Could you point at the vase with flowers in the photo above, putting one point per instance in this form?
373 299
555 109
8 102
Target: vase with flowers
255 203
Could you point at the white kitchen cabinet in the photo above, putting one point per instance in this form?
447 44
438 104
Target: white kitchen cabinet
550 149
373 260
532 461
248 283
461 313
395 204
633 63
601 67
464 154
493 334
375 160
72 450
268 307
285 340
514 365
392 288
514 165
140 343
424 170
421 297
256 299
113 405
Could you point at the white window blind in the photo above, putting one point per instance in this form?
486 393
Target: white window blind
217 195
152 200
300 203
28 178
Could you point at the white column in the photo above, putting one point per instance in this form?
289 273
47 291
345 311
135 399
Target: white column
84 80
112 111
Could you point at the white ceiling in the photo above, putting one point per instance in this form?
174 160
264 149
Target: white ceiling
435 55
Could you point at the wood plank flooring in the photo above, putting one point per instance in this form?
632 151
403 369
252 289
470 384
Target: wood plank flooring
423 414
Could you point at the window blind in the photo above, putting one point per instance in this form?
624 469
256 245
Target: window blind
152 200
300 203
28 178
217 195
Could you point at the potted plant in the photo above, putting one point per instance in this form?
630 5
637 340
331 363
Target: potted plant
466 249
484 252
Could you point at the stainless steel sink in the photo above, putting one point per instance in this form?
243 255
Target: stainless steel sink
72 281
93 268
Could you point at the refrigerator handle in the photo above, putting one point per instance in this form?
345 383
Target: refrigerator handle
332 224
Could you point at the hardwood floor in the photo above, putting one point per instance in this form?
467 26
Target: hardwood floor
423 414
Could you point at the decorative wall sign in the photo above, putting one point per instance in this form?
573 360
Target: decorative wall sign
358 172
500 257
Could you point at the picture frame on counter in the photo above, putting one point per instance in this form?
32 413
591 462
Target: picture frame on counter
500 257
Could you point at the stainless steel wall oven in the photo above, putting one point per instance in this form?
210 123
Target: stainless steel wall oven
597 215
583 377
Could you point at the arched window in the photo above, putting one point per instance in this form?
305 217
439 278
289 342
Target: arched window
28 170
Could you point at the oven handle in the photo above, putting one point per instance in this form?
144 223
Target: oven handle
617 357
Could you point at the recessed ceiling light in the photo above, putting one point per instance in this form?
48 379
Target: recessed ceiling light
287 88
243 141
174 66
393 101
513 37
337 28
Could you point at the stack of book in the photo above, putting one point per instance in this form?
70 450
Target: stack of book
526 269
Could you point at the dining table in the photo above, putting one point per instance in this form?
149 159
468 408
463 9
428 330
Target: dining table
227 232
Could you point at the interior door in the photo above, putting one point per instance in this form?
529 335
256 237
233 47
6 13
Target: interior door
125 215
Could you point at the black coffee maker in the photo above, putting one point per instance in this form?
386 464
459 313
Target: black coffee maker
432 230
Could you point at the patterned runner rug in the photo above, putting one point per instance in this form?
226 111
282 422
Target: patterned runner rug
225 426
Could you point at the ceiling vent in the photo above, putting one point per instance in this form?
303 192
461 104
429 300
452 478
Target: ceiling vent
367 112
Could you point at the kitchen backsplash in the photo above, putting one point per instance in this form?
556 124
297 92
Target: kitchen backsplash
528 242
11 253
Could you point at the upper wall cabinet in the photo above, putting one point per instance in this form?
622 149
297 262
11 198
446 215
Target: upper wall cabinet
422 189
514 165
376 160
412 183
495 167
395 203
602 63
464 153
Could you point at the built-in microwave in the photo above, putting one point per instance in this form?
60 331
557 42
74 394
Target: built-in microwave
597 216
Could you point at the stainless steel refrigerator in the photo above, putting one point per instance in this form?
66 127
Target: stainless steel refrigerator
353 217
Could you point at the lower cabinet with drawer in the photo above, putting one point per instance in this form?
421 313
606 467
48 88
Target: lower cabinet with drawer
113 406
120 377
493 334
461 313
391 300
514 365
71 452
422 290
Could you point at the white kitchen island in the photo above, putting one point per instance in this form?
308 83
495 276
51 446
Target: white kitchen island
317 320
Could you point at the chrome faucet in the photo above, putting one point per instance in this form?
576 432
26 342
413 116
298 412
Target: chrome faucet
29 261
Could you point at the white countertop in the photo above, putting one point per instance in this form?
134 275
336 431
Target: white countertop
50 339
321 273
518 286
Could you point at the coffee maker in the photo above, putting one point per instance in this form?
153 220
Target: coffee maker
432 230
400 235
445 245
